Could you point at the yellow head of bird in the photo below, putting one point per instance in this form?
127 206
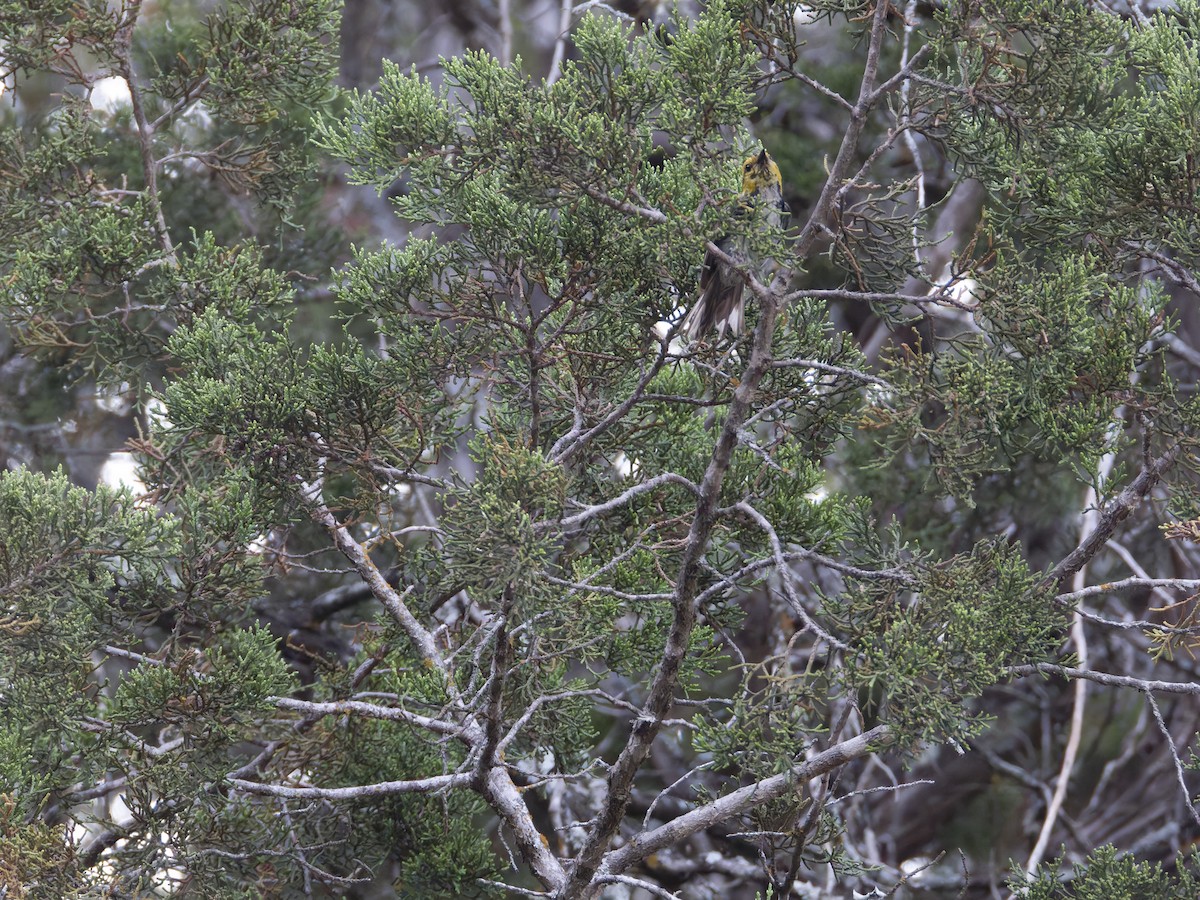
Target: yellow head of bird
760 171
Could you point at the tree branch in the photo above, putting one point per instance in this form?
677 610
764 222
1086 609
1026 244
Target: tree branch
392 601
1113 515
662 687
781 567
369 711
123 47
622 499
495 786
642 212
576 439
358 791
746 798
1145 686
849 146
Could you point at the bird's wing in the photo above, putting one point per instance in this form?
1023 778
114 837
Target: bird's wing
709 270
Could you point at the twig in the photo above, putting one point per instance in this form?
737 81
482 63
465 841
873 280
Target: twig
1166 733
832 370
781 567
642 883
577 438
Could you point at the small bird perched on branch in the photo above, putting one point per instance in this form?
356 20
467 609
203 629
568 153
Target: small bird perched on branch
721 303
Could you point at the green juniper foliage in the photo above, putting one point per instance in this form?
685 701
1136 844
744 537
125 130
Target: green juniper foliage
498 584
1110 876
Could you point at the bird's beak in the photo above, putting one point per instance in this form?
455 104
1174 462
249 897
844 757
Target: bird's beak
761 162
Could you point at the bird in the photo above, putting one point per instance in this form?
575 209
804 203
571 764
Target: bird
721 304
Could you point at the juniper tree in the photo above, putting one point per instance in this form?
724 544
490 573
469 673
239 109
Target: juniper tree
505 589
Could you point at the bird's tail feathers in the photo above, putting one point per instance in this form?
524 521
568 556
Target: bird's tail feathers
719 306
